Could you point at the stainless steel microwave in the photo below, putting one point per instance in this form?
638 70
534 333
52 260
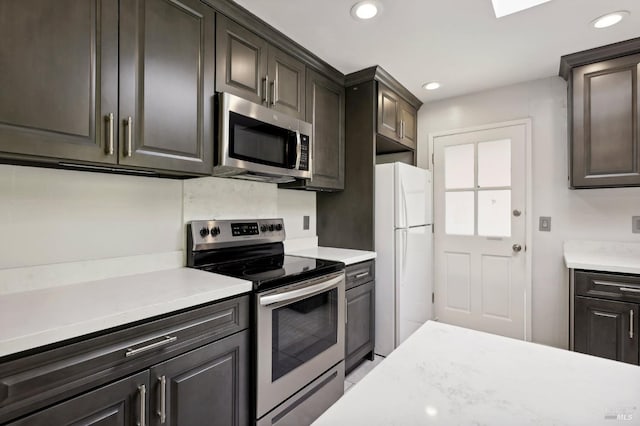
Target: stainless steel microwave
257 143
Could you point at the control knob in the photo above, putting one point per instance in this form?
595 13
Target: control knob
263 228
215 231
279 227
271 227
204 232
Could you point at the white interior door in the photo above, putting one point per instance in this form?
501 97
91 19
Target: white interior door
480 229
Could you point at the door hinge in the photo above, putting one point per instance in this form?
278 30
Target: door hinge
432 161
433 297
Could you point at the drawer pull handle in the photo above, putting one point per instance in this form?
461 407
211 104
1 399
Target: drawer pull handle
162 412
631 324
110 134
630 290
361 275
167 340
142 394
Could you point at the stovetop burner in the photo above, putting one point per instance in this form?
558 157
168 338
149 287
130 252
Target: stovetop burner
250 250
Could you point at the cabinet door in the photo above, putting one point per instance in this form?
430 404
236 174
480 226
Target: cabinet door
166 85
241 61
409 126
388 113
606 114
286 83
606 329
360 332
325 110
118 404
209 385
58 78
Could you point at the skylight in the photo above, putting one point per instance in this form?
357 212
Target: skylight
507 7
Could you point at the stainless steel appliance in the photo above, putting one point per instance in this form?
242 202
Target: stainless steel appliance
258 143
299 315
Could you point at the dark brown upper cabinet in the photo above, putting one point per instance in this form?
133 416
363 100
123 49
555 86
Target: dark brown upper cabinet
604 115
126 83
396 119
325 110
250 67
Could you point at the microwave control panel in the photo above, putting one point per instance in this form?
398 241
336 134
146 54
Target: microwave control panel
304 152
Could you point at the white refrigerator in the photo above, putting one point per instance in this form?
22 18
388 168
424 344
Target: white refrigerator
404 247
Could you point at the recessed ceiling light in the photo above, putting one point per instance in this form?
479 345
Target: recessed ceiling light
364 10
507 7
609 19
431 86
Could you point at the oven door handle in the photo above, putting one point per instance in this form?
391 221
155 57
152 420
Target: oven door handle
295 294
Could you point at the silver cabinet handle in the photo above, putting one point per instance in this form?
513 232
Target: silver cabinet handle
346 311
142 394
162 412
631 324
272 88
305 291
361 275
630 290
167 340
110 134
265 84
401 129
129 124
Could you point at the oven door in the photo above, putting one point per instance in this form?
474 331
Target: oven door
300 335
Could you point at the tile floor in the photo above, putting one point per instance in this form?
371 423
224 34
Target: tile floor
362 370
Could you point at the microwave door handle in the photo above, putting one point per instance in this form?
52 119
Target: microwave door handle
298 150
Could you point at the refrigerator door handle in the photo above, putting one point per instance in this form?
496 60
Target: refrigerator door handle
404 251
405 213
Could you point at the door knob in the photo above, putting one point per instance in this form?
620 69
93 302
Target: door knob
517 248
517 213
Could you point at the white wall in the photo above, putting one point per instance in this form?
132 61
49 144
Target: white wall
600 214
59 226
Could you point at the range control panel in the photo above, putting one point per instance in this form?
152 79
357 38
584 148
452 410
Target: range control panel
211 234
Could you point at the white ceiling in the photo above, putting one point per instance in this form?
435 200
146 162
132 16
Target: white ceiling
459 43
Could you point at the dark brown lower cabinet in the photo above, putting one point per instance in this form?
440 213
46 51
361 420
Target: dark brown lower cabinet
206 386
360 323
209 385
187 368
608 329
120 403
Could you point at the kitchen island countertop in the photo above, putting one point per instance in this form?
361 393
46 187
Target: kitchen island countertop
446 375
36 318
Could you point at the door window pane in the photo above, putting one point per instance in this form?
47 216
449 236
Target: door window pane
494 163
494 213
459 166
459 213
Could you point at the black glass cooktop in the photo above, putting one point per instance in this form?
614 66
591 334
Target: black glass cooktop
274 271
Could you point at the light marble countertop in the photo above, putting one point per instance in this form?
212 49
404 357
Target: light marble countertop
606 256
35 318
347 256
446 375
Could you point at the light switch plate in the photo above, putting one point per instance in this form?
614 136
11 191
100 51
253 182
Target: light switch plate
635 224
305 222
545 224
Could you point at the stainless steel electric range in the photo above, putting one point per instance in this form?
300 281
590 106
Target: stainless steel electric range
299 311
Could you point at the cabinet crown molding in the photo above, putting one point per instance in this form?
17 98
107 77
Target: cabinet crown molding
597 54
379 74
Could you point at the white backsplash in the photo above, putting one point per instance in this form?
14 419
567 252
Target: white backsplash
60 227
220 198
